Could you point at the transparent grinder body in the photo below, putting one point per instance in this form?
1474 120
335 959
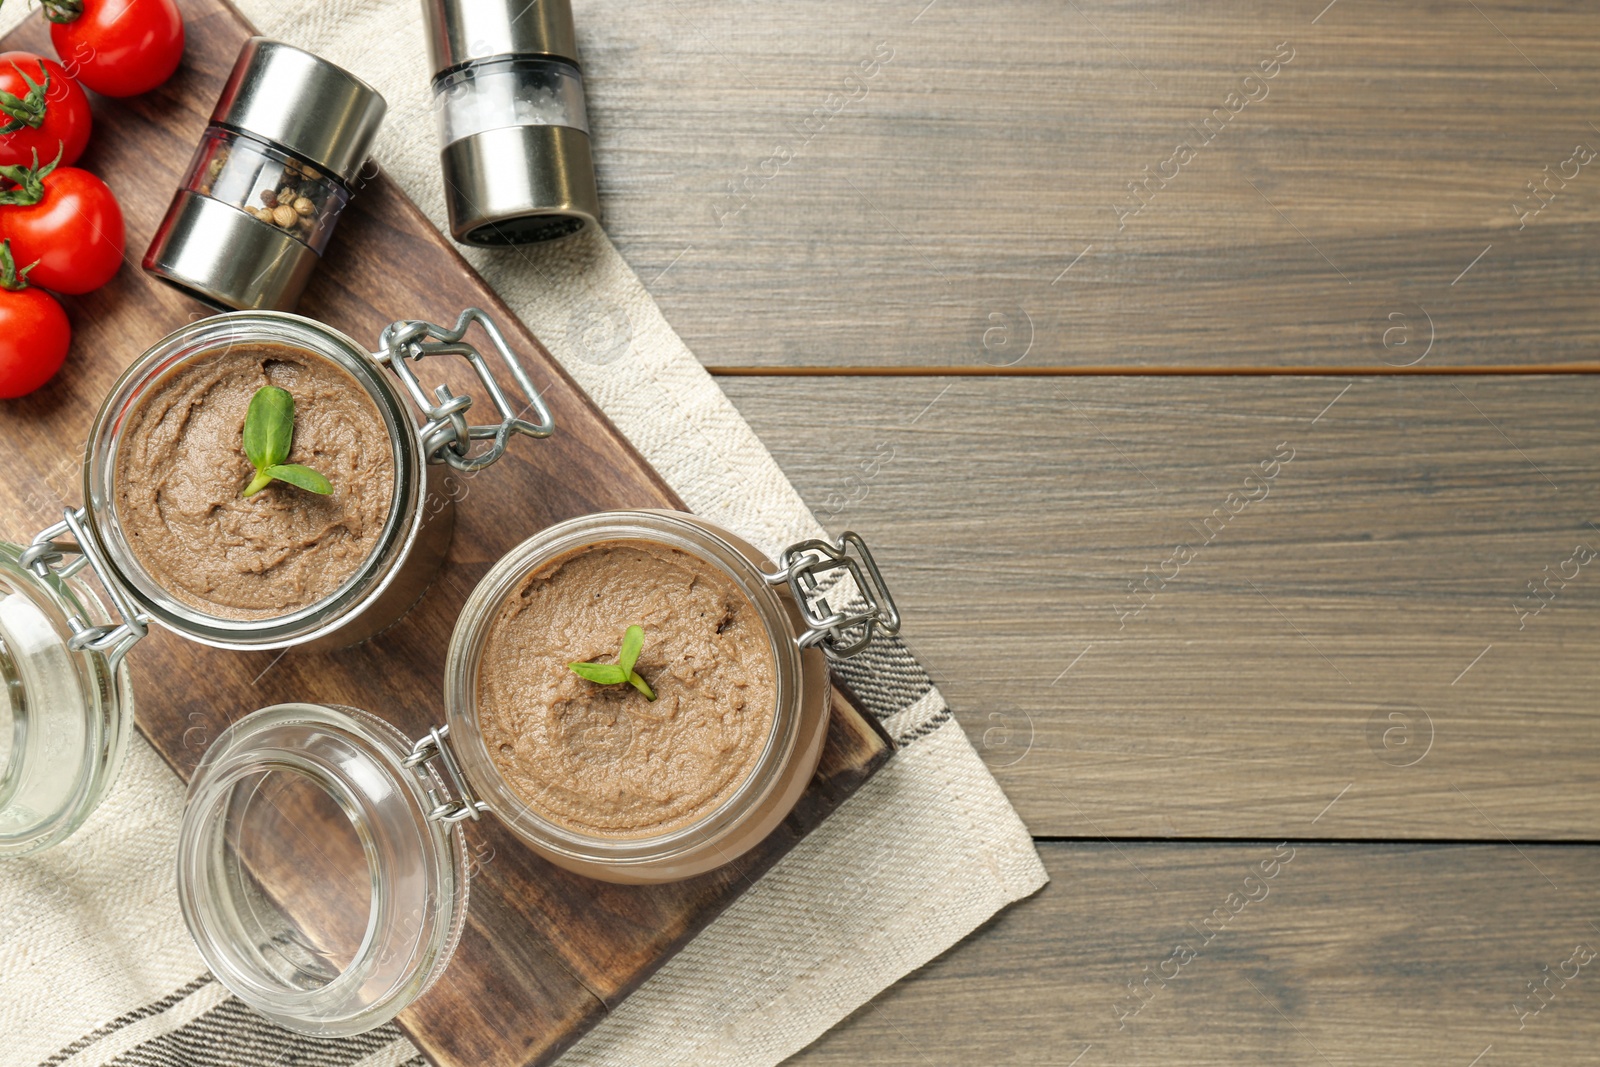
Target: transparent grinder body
271 185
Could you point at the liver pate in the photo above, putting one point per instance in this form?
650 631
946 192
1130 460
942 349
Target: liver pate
601 759
181 467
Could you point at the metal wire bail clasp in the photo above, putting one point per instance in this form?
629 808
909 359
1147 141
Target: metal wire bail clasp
434 745
446 435
46 557
805 566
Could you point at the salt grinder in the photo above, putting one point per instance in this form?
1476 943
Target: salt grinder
276 166
513 131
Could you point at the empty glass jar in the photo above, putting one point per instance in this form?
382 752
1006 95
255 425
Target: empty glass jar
64 712
513 129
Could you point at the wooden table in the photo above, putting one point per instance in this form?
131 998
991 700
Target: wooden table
1257 503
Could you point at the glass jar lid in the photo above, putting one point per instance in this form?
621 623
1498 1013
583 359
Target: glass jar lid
64 713
310 874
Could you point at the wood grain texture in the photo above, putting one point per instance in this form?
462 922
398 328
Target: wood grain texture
927 214
1350 955
1368 601
545 953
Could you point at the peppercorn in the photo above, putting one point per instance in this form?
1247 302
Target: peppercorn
304 207
262 213
284 216
269 198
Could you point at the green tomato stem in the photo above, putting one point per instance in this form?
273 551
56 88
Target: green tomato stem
25 110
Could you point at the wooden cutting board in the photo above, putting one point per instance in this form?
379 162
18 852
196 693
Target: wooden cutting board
545 953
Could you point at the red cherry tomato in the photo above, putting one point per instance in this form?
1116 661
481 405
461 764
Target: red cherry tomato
34 333
66 224
118 47
42 110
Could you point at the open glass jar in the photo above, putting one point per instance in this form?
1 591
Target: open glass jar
414 537
67 701
333 931
513 128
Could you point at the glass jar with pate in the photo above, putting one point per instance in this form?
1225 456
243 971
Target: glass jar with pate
336 938
173 540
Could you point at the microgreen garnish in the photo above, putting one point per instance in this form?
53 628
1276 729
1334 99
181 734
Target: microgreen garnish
622 670
12 277
268 433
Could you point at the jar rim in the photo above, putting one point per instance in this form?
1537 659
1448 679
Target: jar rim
417 869
198 340
676 530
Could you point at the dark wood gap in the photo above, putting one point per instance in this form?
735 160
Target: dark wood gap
1147 372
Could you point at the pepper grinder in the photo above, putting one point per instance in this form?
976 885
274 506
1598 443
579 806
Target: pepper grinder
274 169
513 130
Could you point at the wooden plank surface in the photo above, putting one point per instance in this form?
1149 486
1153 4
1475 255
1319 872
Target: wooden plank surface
926 214
1350 955
1367 599
1360 215
545 953
957 209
